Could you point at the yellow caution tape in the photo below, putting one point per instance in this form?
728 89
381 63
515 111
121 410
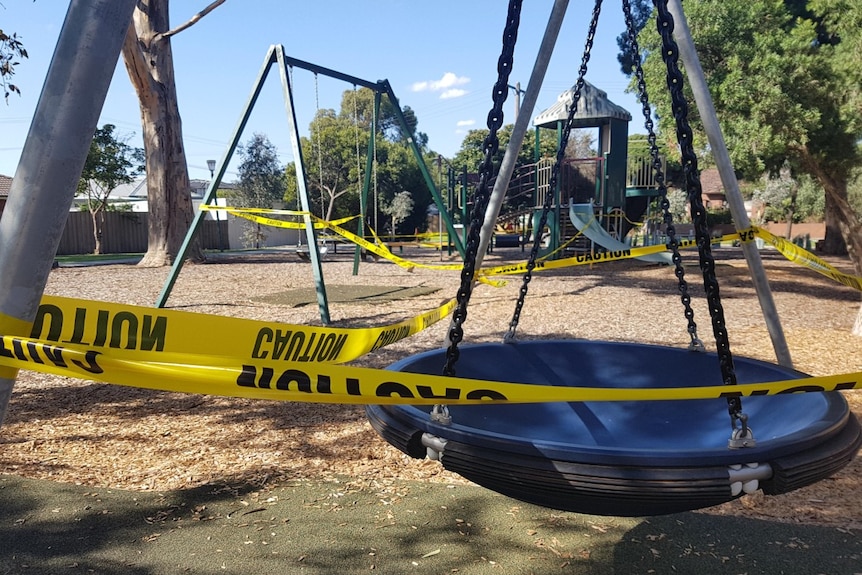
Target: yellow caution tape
790 250
251 214
149 334
328 383
577 260
378 249
803 257
11 325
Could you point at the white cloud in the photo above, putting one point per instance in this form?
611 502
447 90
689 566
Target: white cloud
453 93
462 123
445 83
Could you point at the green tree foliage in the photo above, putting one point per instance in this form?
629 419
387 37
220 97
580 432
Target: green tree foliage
110 162
471 153
261 182
641 10
335 156
358 104
782 95
854 192
332 162
787 199
398 210
11 52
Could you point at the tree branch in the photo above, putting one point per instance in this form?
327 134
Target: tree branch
191 22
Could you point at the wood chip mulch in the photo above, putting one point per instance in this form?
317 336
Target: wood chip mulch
116 437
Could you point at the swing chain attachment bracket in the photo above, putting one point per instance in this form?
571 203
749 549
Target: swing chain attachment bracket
440 414
742 436
696 345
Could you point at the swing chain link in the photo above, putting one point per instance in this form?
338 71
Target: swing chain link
482 195
673 243
670 54
555 174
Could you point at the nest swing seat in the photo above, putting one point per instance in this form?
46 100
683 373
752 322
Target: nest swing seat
629 458
621 458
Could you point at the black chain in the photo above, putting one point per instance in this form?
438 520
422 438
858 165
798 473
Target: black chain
670 54
482 194
555 173
658 170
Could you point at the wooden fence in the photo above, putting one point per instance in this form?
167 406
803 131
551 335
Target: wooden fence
126 232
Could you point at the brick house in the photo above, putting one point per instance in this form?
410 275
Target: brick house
712 190
5 186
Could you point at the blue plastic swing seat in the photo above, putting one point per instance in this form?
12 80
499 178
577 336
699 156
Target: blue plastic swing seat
622 458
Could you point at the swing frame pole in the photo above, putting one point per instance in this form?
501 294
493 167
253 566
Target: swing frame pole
53 157
366 184
706 108
522 121
510 157
215 181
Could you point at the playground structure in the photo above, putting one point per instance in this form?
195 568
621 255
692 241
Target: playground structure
795 452
618 189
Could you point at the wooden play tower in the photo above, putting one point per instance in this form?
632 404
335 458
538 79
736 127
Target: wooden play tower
620 190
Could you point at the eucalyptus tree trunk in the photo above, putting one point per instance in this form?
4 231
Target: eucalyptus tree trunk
149 62
851 231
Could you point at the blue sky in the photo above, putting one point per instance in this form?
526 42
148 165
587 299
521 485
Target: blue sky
440 58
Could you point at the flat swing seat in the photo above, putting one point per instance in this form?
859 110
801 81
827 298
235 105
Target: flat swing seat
622 458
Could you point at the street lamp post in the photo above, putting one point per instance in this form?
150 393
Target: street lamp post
211 164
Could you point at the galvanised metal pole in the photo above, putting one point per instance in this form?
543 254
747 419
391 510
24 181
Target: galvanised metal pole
52 160
703 99
510 158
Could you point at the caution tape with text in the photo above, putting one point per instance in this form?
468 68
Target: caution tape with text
329 383
148 334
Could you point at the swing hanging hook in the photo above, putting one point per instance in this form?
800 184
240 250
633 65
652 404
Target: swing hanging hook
742 436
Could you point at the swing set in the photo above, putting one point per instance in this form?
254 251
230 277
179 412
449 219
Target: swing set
276 56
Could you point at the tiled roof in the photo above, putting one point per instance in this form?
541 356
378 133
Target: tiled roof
710 181
5 185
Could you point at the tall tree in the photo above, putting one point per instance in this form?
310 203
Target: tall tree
358 105
335 157
641 10
110 162
398 210
261 181
149 61
781 93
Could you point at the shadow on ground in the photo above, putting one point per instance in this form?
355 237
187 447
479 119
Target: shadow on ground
404 527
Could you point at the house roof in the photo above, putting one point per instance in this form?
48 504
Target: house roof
594 109
5 185
134 190
710 182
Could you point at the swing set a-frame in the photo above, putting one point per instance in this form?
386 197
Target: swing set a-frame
276 56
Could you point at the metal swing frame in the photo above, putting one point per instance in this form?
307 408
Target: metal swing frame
276 55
